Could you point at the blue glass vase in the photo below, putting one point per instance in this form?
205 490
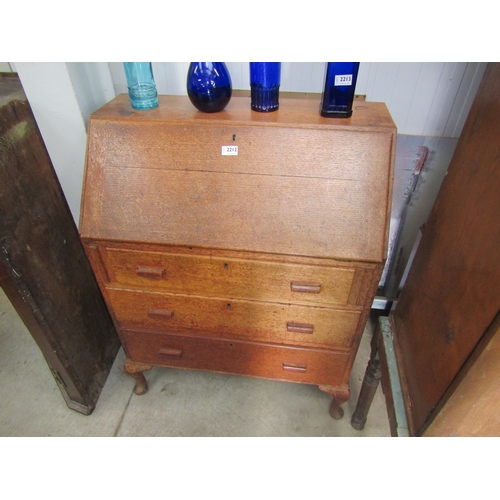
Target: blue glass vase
338 93
209 86
141 85
265 79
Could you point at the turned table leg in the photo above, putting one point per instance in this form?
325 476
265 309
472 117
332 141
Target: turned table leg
340 395
371 380
135 370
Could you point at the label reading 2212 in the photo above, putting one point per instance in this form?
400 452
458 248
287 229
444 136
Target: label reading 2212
229 150
343 80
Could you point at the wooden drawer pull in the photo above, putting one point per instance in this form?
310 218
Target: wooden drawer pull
304 287
294 367
161 313
151 272
171 353
299 327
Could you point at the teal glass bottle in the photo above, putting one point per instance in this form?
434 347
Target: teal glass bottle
338 93
209 86
141 85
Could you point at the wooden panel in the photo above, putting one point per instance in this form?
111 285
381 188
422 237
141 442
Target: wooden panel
280 151
313 366
46 274
259 200
259 321
474 408
288 215
230 277
451 293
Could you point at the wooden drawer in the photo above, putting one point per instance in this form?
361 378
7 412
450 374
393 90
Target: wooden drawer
230 277
312 366
259 321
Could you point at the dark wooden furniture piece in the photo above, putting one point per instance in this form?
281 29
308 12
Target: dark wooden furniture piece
239 242
43 268
449 308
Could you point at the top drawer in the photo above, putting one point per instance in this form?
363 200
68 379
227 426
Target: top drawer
229 277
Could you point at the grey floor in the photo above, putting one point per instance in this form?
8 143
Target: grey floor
178 403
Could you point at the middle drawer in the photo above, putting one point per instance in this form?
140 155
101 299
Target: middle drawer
216 317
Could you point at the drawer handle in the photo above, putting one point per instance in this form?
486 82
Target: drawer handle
294 367
161 313
299 327
151 272
170 353
305 287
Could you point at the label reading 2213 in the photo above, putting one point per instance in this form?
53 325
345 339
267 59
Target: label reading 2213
343 80
229 150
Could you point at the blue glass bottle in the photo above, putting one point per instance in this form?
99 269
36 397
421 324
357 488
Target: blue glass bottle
338 93
265 79
141 85
209 86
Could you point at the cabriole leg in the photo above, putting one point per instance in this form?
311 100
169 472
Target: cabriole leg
135 370
340 396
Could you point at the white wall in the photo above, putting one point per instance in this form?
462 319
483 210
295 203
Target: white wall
428 99
62 95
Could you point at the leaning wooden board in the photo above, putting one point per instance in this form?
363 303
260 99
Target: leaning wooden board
43 268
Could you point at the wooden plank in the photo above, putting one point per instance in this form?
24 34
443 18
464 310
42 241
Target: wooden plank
451 294
45 271
390 379
473 410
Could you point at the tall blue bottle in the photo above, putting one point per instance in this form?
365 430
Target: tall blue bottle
338 93
265 79
209 86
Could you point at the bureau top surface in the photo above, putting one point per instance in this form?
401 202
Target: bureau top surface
293 112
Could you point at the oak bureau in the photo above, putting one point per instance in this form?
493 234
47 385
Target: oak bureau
239 242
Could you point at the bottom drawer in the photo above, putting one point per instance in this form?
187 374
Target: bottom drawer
310 366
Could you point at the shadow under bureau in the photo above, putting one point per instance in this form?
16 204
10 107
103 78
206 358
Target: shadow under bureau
239 242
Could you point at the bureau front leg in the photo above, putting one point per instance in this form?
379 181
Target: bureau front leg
135 370
340 396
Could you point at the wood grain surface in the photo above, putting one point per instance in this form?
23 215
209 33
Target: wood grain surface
261 263
316 366
229 277
451 294
232 318
45 272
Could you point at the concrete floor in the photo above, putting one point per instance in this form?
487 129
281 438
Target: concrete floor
178 403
